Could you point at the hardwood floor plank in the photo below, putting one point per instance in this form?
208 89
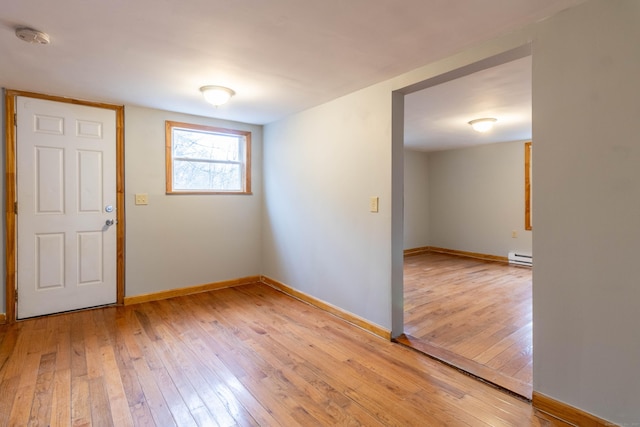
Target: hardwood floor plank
300 379
100 404
61 398
138 407
199 395
153 397
22 404
475 314
163 398
8 389
502 344
115 389
92 355
481 371
237 399
41 406
189 384
78 358
315 349
252 371
245 356
13 365
8 342
80 401
384 381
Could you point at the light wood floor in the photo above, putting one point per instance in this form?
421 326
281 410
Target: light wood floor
240 356
473 314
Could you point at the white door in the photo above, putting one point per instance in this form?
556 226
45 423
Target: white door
66 192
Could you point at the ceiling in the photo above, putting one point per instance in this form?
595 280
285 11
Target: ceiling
280 56
437 118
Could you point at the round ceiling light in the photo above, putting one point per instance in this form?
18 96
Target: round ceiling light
30 35
483 125
216 95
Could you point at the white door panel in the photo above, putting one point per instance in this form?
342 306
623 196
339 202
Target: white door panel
66 177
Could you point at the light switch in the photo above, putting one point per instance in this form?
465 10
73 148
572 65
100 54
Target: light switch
373 204
142 199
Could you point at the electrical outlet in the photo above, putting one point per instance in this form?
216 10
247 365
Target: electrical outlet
514 234
373 204
142 199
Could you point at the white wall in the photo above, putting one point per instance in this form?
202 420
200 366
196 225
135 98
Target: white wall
184 240
585 92
476 199
416 199
321 168
181 240
586 290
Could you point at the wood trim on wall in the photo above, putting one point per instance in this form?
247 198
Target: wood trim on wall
3 318
527 186
336 311
567 412
10 204
425 249
171 293
120 214
11 196
417 251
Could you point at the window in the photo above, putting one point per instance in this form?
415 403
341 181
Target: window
207 160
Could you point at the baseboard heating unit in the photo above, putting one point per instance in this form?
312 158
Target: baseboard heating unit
518 258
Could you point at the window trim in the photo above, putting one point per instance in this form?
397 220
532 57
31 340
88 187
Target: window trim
170 125
527 186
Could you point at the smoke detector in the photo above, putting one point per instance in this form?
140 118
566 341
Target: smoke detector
30 35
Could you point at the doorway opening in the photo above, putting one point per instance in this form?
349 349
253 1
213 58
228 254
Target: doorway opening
464 211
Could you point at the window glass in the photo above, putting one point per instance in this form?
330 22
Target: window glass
203 159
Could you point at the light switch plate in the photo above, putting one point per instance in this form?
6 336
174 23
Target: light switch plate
373 204
142 199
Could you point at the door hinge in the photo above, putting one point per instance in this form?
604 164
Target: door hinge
16 295
15 119
15 208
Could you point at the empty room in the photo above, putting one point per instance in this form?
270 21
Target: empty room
204 211
467 225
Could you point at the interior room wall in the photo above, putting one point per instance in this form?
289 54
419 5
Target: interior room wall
416 199
584 102
476 199
321 168
184 240
586 290
180 240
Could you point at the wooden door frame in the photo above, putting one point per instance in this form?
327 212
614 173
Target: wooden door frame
11 192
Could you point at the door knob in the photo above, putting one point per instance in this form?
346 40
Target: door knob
110 222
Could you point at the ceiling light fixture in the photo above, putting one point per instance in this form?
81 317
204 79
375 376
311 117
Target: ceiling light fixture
216 95
483 125
30 35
